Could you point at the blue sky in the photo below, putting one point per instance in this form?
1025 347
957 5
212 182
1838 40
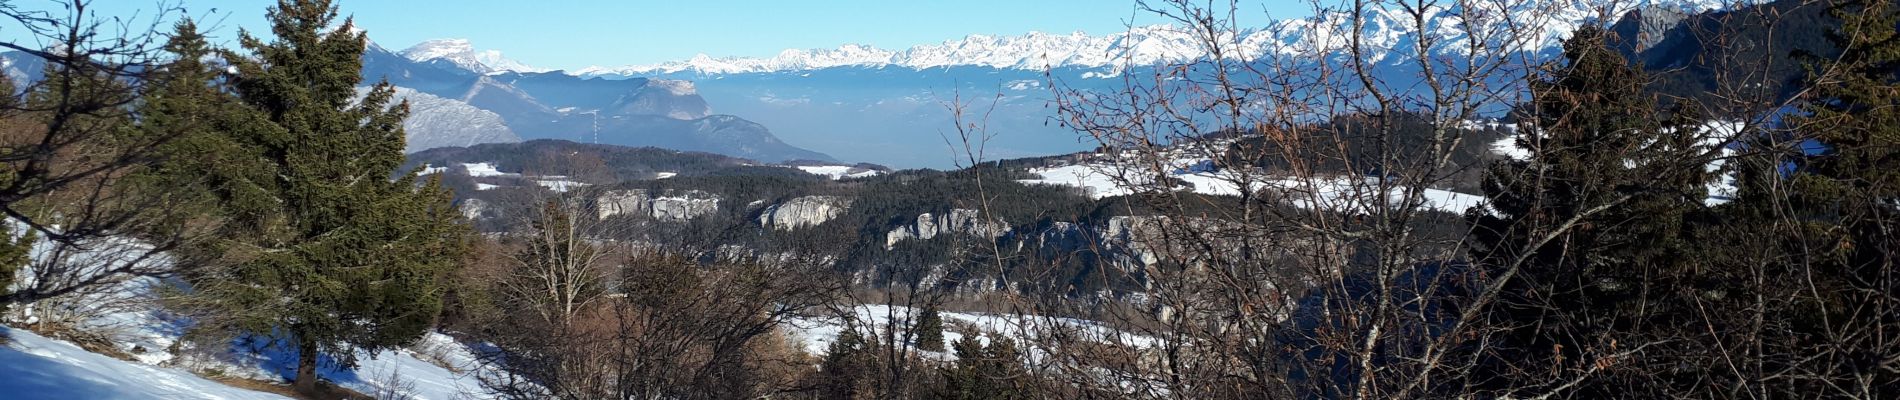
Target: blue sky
578 33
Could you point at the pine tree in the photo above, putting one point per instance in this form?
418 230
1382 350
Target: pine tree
963 379
201 165
930 330
1849 193
14 243
1816 215
329 253
1596 220
846 370
992 371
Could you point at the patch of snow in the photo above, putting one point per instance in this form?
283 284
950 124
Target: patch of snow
559 185
664 175
836 172
1098 180
484 169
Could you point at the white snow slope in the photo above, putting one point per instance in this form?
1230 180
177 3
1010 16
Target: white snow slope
35 367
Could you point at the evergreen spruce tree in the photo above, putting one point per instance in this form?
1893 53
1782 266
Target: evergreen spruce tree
930 330
1596 219
331 249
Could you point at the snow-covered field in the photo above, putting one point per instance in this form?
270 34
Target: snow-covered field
836 172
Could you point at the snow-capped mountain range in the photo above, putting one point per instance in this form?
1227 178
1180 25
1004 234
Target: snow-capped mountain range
1386 34
879 105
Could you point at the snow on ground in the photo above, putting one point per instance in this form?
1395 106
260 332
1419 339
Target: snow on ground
559 185
484 186
1509 148
1712 133
35 367
437 367
1330 193
816 335
836 172
664 175
1359 195
125 314
1096 181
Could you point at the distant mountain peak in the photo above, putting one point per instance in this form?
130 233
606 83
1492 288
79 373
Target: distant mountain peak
462 53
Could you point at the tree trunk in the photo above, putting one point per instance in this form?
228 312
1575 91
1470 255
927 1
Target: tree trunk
306 381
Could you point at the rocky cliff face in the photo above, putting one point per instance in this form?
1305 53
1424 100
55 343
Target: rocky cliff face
1647 27
803 212
671 206
957 221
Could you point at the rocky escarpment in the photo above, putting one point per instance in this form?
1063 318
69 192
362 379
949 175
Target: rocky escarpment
477 209
438 122
666 206
1129 240
674 99
957 221
803 212
1648 27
